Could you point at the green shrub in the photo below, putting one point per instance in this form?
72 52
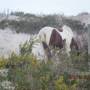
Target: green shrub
28 73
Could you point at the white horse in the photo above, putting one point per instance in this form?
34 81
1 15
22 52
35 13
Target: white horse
51 36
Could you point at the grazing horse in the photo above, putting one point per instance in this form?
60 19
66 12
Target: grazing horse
49 36
56 38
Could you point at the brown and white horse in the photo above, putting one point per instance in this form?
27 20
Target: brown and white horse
49 36
56 38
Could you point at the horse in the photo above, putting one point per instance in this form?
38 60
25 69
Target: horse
62 37
50 36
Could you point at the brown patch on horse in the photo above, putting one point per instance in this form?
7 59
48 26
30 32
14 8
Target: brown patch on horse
56 39
47 50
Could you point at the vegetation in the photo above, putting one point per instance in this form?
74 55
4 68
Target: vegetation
28 73
30 23
59 73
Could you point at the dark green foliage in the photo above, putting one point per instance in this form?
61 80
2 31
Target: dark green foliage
27 73
75 25
30 23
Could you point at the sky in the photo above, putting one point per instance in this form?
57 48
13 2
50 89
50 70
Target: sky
66 7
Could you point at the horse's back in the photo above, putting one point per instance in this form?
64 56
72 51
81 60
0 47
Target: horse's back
45 33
